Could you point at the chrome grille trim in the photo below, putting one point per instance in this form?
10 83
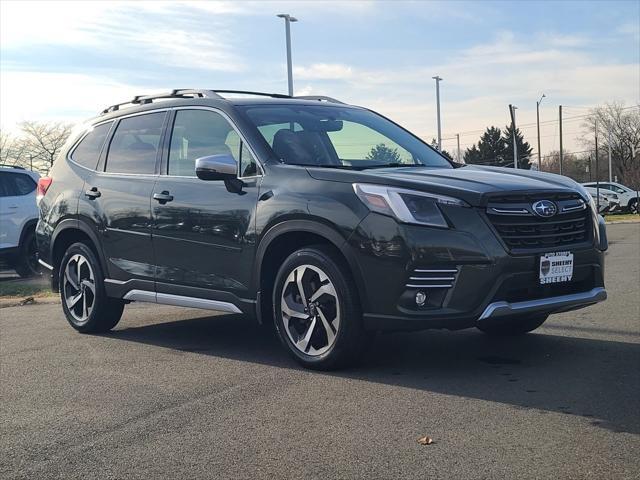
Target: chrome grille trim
432 278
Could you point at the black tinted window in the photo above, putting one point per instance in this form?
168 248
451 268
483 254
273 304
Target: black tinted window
88 150
135 143
199 133
24 184
13 184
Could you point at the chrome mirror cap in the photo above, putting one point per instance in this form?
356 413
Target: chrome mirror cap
216 167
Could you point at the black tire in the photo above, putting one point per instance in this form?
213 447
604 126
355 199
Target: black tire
511 326
105 312
27 262
350 339
633 206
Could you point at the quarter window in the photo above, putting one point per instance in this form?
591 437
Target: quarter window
15 184
88 150
134 146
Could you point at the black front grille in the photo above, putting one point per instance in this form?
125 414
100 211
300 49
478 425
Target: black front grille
521 229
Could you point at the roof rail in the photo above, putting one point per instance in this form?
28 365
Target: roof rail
319 98
193 93
260 94
175 93
17 167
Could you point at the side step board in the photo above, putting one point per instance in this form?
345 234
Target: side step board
180 301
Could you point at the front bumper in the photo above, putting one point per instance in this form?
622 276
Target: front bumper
563 303
480 278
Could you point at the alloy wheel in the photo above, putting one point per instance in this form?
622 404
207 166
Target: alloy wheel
310 310
79 289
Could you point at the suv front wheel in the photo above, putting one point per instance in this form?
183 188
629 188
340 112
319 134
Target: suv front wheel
317 311
84 301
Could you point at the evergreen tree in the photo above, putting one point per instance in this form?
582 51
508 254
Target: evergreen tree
383 154
490 150
434 145
524 149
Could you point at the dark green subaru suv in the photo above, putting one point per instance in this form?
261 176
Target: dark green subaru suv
329 220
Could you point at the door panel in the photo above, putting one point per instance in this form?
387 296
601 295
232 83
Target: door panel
205 236
122 196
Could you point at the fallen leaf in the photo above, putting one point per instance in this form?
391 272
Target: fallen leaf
425 440
27 301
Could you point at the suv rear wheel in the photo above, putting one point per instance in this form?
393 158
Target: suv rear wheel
84 301
317 311
27 261
512 326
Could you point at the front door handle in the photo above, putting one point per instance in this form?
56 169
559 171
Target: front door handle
163 197
92 193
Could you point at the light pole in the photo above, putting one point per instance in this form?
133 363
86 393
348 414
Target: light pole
538 122
287 25
438 80
512 110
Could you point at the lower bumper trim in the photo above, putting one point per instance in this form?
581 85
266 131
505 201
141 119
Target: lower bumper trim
545 305
45 264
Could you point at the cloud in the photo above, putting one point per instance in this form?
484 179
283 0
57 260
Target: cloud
324 71
137 30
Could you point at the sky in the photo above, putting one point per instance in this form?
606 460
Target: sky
69 60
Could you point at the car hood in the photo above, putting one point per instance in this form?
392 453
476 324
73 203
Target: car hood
471 183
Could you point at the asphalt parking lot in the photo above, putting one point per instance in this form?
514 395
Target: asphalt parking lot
177 393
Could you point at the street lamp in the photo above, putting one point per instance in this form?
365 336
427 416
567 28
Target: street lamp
287 22
438 80
538 122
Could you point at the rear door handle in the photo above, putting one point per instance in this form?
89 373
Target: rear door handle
163 197
92 193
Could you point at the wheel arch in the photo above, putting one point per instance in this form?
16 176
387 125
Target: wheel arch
70 231
283 239
29 225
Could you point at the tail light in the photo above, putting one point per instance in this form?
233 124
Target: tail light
43 185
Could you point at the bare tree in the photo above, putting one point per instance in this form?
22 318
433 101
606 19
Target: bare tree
44 140
13 150
624 125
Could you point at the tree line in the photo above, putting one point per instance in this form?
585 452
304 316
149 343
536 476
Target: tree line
36 145
495 148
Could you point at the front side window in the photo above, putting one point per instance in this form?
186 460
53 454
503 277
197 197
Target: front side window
88 150
339 137
201 133
134 145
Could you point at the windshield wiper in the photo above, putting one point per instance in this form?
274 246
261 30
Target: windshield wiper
395 165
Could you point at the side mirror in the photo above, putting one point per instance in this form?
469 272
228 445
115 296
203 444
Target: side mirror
216 167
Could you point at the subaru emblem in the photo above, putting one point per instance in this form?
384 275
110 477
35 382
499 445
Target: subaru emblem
544 208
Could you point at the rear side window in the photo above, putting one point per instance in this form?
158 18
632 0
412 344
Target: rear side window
15 184
88 150
134 145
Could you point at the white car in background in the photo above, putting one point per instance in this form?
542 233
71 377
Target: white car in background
608 202
627 198
18 218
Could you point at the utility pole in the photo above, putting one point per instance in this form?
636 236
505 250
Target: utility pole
609 142
438 80
538 122
512 111
597 171
561 151
459 156
287 25
31 162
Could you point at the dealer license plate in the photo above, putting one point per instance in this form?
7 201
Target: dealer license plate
556 267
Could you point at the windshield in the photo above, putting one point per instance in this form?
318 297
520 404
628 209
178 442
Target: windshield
339 137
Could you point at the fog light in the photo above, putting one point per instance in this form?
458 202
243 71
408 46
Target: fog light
421 297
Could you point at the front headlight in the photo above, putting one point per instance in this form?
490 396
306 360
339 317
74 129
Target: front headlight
408 206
